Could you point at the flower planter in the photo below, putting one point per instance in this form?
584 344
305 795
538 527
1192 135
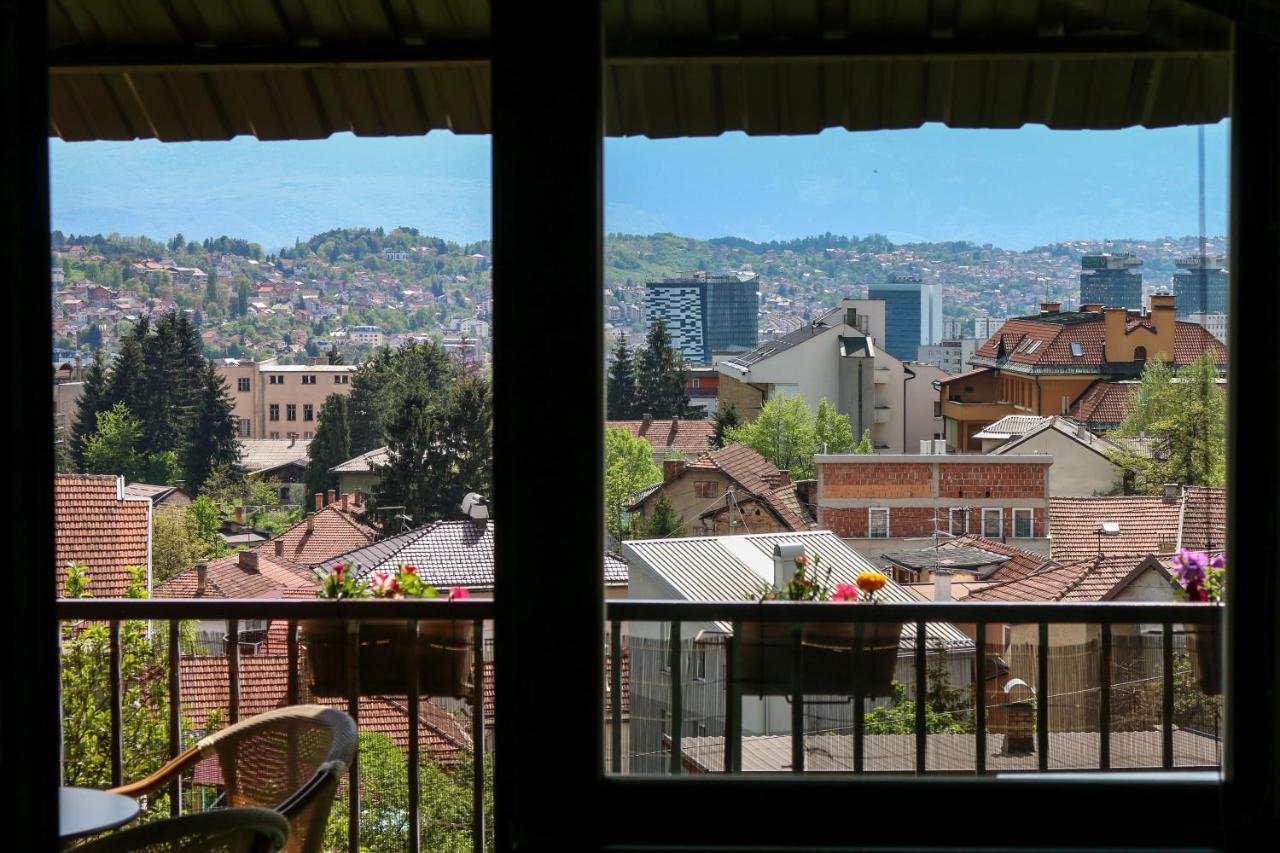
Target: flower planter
1205 645
444 657
830 664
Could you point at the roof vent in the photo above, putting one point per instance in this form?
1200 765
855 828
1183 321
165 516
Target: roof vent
784 562
248 561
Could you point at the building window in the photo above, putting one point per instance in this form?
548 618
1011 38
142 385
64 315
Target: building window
698 666
308 435
242 384
959 521
1140 354
937 408
308 412
706 489
275 379
993 523
274 412
341 379
291 411
275 435
308 379
878 523
1023 524
244 428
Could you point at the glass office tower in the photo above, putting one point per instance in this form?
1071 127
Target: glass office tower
912 315
1200 286
706 314
1111 281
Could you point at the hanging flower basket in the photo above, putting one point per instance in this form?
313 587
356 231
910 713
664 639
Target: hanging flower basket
1205 644
444 657
832 661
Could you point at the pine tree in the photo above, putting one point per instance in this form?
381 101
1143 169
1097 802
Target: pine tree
622 384
331 445
726 418
470 424
660 376
416 469
664 522
211 441
211 290
128 371
242 297
94 399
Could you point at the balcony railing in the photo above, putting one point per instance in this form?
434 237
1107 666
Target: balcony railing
681 666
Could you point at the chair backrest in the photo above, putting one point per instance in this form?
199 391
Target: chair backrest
267 760
308 810
219 831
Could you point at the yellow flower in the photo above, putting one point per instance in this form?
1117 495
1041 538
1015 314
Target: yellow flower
870 582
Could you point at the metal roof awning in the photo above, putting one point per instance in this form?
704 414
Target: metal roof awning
964 559
310 68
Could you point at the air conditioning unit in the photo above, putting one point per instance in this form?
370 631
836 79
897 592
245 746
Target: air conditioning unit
926 447
939 447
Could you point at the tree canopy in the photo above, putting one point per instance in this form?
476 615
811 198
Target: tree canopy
628 467
787 434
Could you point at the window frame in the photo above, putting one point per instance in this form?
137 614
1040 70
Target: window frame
888 532
273 412
951 520
242 385
291 411
999 510
1031 522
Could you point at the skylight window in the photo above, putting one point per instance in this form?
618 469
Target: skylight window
1035 346
1076 349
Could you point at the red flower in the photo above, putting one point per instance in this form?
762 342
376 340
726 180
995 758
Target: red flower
458 592
413 570
845 592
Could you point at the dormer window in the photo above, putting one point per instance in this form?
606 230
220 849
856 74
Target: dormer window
1035 346
1076 349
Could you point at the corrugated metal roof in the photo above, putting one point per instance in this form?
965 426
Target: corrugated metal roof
309 68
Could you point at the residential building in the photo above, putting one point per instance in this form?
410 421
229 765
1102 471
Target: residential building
837 357
953 328
705 314
969 563
1082 460
702 384
271 400
1111 280
283 459
1045 364
366 335
952 355
1192 517
913 314
97 525
985 327
359 475
675 438
1200 285
730 490
883 502
161 497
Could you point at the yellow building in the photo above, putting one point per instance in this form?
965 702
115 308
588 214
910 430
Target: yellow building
1042 364
272 400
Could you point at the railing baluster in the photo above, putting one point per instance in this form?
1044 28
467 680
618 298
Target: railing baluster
922 695
733 733
477 739
797 700
117 747
859 696
615 695
233 671
295 672
980 698
677 701
1104 700
1042 697
729 710
175 717
1166 727
415 829
353 708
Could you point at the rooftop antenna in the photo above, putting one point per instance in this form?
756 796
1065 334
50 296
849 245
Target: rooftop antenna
1204 275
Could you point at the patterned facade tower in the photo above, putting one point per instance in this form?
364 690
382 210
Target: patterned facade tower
705 314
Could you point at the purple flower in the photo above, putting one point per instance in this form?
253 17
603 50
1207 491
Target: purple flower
1190 566
1218 562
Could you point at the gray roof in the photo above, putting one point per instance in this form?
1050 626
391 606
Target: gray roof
1073 430
363 463
264 454
769 349
736 568
966 558
1011 425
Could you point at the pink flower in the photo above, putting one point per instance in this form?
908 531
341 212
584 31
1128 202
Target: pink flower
458 592
384 584
338 568
413 570
845 592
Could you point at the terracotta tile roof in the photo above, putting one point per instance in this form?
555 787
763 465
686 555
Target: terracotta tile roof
1146 524
1191 340
1021 563
1204 518
336 532
264 454
1107 577
264 685
1047 585
1104 404
688 437
1094 579
234 576
1021 335
761 478
96 525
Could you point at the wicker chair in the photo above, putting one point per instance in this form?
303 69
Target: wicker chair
220 831
289 760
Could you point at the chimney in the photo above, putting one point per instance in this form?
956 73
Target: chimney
1092 307
239 515
311 521
1171 491
331 497
645 421
345 498
784 563
1050 307
248 561
783 479
926 446
942 586
359 500
279 547
672 468
319 501
202 578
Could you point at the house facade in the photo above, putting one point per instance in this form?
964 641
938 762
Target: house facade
271 400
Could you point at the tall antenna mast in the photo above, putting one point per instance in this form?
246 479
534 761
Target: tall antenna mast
1204 271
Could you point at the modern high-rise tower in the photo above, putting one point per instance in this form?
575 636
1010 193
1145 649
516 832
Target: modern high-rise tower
1111 281
1200 285
912 312
706 314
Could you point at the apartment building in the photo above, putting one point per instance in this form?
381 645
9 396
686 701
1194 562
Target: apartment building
272 400
886 502
367 335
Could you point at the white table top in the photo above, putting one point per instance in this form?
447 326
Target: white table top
83 811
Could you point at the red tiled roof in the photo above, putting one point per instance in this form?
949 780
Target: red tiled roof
1048 585
1146 523
761 478
229 577
95 526
336 532
1094 579
1104 402
690 437
1190 341
1204 518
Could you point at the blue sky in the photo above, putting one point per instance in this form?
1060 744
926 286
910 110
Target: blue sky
1013 188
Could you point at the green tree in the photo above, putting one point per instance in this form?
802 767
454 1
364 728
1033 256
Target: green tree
865 447
204 520
782 434
663 522
242 296
725 419
628 467
113 448
622 400
660 376
384 381
211 437
93 401
211 289
331 445
832 432
333 356
175 546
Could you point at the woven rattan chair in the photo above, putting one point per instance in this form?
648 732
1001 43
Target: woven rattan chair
220 831
288 760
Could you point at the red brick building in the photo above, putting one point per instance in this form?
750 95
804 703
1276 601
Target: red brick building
877 501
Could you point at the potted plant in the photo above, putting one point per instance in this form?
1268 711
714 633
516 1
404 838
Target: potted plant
834 659
444 648
1199 577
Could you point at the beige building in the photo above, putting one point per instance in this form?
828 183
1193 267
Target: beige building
1082 465
273 400
837 357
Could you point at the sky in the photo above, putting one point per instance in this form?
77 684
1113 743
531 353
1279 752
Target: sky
1012 188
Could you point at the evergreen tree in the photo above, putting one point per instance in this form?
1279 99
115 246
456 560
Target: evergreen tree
211 441
622 384
331 445
865 447
664 522
211 290
416 469
334 356
386 379
726 418
128 371
242 297
470 425
660 376
94 399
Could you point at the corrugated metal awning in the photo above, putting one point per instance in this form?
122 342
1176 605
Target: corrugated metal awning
304 69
